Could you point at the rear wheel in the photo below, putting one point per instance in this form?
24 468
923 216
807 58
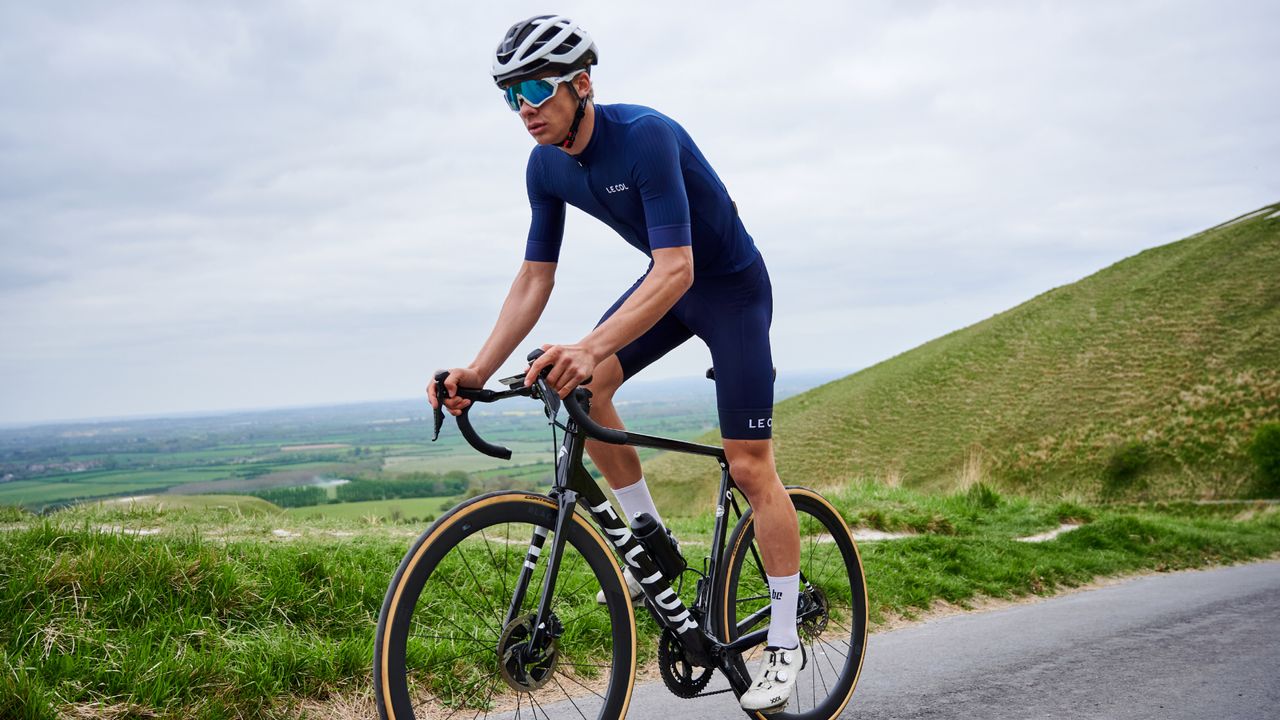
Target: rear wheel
832 615
445 649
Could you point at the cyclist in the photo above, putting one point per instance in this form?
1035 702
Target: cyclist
640 172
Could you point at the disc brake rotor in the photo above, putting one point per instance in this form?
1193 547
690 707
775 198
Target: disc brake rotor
523 669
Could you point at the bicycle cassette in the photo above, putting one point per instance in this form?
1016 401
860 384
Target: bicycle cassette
683 678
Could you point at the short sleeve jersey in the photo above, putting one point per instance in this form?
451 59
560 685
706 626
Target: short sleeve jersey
642 175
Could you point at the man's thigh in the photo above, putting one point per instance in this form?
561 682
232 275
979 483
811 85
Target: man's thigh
732 314
665 335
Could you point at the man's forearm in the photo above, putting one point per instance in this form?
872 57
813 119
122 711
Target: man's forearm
655 296
520 312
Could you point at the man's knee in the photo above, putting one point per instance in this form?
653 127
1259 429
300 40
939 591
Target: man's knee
751 464
606 379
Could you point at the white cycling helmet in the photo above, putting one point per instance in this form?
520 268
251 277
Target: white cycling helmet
541 43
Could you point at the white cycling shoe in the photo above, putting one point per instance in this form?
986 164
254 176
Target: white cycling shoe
774 681
633 586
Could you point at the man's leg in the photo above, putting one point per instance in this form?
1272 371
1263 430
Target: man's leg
778 537
619 463
777 531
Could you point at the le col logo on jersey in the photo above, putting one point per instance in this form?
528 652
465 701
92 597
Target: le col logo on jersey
756 423
616 188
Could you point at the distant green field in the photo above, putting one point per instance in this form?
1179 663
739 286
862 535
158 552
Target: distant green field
242 504
407 507
470 462
536 471
93 484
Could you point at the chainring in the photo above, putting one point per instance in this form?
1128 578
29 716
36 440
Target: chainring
683 678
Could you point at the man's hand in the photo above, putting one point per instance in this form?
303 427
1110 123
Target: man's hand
573 364
466 377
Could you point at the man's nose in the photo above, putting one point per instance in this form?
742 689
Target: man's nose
526 110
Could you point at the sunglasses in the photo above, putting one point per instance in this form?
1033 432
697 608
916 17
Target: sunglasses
535 92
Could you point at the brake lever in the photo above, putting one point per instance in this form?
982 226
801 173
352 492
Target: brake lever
442 392
549 395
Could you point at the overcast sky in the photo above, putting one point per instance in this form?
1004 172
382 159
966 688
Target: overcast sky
224 205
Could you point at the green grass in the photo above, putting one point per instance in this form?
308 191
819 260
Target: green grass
215 616
1173 349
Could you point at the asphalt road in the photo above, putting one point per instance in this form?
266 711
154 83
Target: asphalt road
1200 644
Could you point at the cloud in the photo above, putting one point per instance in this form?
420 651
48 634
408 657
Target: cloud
239 205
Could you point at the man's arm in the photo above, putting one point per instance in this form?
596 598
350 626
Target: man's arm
670 278
520 312
667 282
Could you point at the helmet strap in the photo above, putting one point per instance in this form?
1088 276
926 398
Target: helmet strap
577 119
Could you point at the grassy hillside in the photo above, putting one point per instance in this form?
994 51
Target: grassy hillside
1169 358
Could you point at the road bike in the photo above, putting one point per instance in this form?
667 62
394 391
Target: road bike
493 612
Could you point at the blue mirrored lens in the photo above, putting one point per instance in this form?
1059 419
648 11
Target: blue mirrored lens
534 92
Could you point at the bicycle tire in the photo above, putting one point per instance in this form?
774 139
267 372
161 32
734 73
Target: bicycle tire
437 586
831 672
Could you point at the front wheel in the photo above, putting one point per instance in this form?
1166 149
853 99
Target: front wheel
450 644
831 617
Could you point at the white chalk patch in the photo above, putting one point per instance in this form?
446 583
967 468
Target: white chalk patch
1044 537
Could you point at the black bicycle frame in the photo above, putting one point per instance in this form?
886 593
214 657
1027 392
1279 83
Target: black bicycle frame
573 484
693 626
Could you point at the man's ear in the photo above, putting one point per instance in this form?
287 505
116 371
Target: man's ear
582 84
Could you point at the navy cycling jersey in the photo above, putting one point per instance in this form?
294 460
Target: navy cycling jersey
642 175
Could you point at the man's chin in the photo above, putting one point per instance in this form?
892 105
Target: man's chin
543 137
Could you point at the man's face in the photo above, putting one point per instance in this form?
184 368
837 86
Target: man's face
549 122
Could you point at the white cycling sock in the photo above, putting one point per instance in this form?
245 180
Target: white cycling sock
636 499
785 593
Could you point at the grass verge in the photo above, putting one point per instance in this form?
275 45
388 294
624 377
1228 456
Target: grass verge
211 615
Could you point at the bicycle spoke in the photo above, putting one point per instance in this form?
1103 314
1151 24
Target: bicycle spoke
480 586
591 665
502 576
570 697
584 613
589 579
452 637
463 704
457 627
463 600
825 690
575 681
533 701
456 657
488 701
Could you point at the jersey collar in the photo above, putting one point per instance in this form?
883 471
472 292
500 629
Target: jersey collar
588 153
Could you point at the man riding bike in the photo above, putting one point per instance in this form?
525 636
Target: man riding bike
640 173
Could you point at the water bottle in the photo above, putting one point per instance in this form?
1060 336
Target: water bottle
660 544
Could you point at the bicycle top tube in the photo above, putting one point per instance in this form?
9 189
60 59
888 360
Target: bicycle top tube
573 403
